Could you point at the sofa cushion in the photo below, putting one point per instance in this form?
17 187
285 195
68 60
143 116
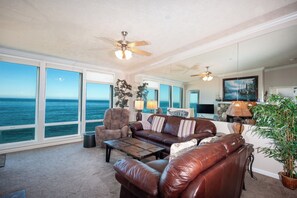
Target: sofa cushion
144 133
157 124
186 128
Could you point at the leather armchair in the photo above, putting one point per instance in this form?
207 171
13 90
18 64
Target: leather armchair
116 125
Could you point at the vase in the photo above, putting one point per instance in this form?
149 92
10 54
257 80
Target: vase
288 182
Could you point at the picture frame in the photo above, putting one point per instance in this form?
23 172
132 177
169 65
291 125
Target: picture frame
243 88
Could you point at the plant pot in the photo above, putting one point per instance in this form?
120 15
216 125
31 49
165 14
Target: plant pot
288 182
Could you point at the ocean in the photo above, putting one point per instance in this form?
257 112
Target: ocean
21 111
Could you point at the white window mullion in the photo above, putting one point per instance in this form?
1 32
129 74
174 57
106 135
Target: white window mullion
61 123
40 117
83 103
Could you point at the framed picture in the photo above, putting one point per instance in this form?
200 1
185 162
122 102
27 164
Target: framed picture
245 89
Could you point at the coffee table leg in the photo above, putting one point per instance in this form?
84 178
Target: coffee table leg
159 155
107 154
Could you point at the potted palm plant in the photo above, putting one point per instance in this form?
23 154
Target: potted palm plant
277 121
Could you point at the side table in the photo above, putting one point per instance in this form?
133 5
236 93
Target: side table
89 140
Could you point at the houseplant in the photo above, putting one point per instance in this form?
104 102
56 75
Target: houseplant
122 91
142 91
277 121
141 96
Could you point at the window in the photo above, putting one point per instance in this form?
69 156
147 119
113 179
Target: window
165 97
194 100
17 102
98 100
152 95
62 102
177 94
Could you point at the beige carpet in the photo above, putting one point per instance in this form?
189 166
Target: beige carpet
73 171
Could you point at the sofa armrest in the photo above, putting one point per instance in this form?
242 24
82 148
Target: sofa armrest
136 126
199 136
139 174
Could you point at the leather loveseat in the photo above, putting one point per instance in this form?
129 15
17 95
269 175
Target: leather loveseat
203 129
211 170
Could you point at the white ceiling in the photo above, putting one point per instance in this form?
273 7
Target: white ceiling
68 28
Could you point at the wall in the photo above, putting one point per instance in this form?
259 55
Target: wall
280 77
262 164
208 90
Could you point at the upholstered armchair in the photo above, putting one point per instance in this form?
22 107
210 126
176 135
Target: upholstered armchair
116 125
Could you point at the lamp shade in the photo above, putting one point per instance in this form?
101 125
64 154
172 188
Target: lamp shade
151 104
139 104
123 54
239 109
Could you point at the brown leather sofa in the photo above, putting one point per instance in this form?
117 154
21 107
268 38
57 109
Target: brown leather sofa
210 171
203 129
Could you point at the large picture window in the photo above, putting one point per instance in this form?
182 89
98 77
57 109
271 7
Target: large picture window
98 100
17 102
177 97
165 95
62 102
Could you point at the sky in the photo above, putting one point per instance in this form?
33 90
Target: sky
20 81
17 80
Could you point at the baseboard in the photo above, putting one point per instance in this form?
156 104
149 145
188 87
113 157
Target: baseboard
266 173
40 145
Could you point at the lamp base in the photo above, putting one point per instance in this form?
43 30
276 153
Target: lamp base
236 127
138 116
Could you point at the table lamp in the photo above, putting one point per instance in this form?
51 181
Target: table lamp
139 104
152 105
238 109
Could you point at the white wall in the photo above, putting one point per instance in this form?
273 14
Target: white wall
262 164
280 77
208 90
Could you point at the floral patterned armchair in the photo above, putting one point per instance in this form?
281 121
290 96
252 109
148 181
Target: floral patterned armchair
116 125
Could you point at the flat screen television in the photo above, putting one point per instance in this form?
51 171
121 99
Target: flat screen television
205 108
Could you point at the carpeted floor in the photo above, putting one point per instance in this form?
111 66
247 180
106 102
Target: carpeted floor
73 171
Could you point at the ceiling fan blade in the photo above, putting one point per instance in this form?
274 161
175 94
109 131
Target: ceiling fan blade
194 75
137 43
141 52
109 41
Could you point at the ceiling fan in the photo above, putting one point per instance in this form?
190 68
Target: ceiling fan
126 48
205 76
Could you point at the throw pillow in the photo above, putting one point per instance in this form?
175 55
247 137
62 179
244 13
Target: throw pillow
146 125
177 149
186 128
208 140
157 124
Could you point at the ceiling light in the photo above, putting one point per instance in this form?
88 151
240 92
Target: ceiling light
207 78
123 54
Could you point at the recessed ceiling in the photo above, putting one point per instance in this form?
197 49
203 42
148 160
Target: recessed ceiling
68 28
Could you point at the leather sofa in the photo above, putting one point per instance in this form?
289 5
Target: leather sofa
203 129
211 170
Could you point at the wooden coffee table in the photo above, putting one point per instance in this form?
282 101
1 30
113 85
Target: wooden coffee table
136 148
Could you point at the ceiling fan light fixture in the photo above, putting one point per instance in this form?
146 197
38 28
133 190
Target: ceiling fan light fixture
123 54
207 78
